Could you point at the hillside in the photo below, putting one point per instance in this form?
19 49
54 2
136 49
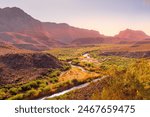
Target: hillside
9 49
22 67
24 32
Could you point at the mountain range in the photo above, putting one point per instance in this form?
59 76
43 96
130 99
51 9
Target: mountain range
22 31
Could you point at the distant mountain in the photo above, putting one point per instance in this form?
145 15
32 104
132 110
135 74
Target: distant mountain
127 36
23 31
16 20
64 33
132 35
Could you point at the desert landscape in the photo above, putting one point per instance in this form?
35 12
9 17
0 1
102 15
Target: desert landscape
57 61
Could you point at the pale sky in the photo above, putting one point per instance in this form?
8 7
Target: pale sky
106 16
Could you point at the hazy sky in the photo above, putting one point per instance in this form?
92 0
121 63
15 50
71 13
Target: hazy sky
106 16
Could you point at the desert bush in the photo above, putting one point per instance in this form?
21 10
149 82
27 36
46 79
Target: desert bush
13 91
103 67
74 81
31 93
130 83
26 87
66 67
16 97
39 82
75 61
30 85
47 89
42 85
34 84
53 80
89 64
2 94
55 73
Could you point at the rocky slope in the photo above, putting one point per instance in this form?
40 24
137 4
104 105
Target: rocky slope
23 31
9 49
22 67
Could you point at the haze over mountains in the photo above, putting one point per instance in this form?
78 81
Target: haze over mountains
24 32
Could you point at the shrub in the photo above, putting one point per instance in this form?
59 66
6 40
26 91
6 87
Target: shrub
89 64
47 88
16 97
130 83
39 82
75 62
44 84
26 87
2 94
31 93
13 91
66 67
75 81
54 73
53 80
33 84
30 85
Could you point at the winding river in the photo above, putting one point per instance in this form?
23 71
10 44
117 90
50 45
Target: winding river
75 87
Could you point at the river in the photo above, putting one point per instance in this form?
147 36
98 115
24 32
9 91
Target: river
75 87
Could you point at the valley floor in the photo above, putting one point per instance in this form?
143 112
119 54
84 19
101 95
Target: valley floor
129 78
113 76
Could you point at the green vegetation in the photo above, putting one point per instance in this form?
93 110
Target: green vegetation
49 83
16 97
32 89
30 93
13 91
2 94
130 83
70 53
129 78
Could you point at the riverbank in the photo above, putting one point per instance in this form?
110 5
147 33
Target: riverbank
73 88
76 83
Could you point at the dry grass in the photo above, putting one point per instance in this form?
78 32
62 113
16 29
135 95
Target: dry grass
76 73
